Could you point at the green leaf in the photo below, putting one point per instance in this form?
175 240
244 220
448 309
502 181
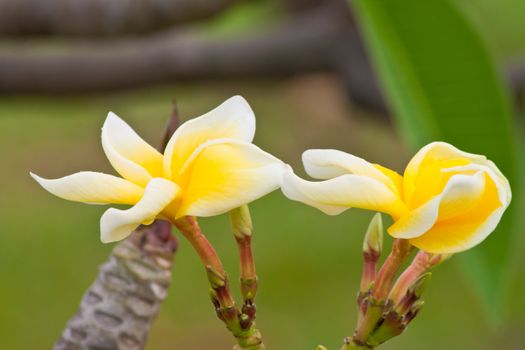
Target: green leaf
442 84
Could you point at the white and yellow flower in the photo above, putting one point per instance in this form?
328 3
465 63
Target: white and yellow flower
447 200
209 167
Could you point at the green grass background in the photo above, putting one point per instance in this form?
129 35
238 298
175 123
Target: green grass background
308 263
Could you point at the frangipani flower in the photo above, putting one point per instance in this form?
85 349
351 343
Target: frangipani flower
447 200
209 167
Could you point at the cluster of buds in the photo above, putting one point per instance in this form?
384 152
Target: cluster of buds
386 304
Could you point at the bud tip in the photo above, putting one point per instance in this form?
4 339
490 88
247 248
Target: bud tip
373 242
241 221
421 284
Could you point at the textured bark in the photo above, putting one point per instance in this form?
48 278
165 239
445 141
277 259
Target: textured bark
118 309
101 17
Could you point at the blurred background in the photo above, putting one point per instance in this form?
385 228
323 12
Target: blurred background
377 79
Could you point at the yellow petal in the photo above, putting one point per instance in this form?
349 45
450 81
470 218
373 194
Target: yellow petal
340 193
467 193
232 119
472 227
423 178
92 187
330 163
500 181
117 224
460 195
131 156
224 174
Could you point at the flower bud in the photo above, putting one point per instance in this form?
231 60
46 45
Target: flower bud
217 279
373 242
420 285
414 310
413 294
241 222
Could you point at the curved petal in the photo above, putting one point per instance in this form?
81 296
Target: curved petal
116 224
130 155
330 163
465 231
93 188
460 195
232 119
224 174
340 193
422 178
502 184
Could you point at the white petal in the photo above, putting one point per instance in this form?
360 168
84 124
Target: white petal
461 194
232 119
117 224
335 195
224 174
330 163
128 153
92 187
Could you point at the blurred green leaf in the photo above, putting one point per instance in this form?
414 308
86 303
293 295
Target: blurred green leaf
501 22
442 84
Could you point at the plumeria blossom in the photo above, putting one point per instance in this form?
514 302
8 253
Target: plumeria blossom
447 200
209 167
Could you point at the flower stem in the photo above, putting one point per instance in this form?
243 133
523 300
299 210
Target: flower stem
189 227
247 265
372 247
385 277
419 265
248 337
242 230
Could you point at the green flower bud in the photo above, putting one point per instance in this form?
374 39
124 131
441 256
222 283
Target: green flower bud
373 242
241 222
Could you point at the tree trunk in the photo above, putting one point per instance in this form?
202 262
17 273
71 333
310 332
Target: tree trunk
118 309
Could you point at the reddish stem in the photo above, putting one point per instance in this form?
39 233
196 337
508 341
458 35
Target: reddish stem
419 265
247 264
189 227
385 277
369 270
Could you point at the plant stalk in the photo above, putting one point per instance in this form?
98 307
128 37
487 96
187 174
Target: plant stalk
248 337
419 265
